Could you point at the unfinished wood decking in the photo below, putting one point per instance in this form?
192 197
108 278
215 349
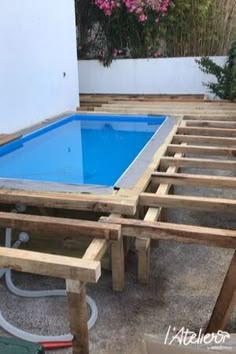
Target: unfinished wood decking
202 140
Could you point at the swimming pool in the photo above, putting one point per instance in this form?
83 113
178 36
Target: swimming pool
83 149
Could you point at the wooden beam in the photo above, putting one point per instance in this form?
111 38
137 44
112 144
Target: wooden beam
143 244
176 232
183 179
208 140
211 123
224 132
201 150
7 138
71 201
212 117
59 226
188 202
225 302
50 265
198 163
96 250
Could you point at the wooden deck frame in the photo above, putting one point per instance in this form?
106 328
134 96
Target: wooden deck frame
203 128
208 130
76 272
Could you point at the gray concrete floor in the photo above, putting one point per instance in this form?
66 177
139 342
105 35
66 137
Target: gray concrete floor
185 282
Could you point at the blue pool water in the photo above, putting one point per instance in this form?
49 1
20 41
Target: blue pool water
80 149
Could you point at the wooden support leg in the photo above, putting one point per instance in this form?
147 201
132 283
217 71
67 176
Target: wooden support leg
118 265
142 244
143 248
225 301
76 294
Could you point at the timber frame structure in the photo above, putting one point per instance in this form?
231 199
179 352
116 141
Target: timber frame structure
203 138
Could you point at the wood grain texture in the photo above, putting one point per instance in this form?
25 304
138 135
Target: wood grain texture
184 179
201 150
198 163
87 202
59 226
177 232
50 265
189 202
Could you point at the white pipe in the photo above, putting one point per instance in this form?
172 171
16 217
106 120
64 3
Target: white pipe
40 293
16 332
48 293
8 245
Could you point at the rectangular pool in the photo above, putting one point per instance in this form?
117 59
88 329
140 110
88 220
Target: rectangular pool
81 149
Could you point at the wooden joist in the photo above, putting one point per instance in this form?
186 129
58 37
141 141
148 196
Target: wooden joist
176 232
183 179
87 202
201 117
208 140
7 138
59 226
188 202
198 163
211 123
224 132
142 244
50 265
201 150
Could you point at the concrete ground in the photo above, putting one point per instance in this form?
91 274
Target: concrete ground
184 284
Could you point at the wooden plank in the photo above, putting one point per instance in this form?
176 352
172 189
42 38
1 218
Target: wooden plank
224 132
208 140
201 150
188 202
183 179
96 250
199 117
59 226
142 244
164 111
87 202
225 302
211 123
198 163
7 138
50 265
176 232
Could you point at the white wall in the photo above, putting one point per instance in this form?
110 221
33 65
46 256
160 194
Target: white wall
144 76
37 45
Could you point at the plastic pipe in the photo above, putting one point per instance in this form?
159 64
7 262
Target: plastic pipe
8 245
47 293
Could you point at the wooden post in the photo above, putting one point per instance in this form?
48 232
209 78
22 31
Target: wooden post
76 294
118 265
143 249
226 300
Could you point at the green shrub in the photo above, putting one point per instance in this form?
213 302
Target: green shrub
225 87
